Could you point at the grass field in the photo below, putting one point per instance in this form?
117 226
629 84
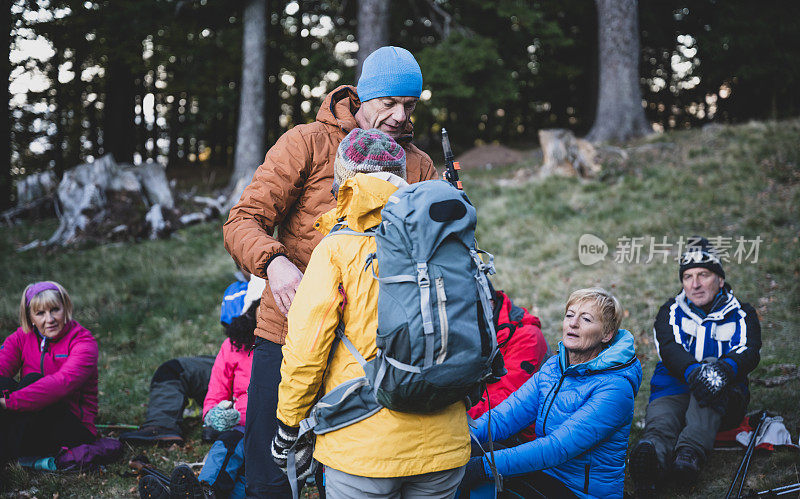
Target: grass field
150 301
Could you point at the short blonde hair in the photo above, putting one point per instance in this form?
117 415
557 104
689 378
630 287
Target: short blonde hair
45 299
607 304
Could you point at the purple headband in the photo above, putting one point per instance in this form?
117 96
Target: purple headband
38 288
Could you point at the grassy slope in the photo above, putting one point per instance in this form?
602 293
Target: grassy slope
151 301
735 181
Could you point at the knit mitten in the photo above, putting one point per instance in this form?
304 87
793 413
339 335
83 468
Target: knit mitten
725 371
223 416
707 383
285 438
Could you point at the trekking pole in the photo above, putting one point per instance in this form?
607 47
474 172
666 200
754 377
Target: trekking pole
498 480
451 167
117 426
762 418
778 491
748 454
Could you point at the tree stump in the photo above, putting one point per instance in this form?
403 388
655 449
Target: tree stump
105 199
566 155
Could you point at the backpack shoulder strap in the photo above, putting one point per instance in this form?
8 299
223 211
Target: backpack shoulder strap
349 344
342 228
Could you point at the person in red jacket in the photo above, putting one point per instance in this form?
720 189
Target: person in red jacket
54 404
524 349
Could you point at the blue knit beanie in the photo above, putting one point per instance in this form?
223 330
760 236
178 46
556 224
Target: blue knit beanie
389 72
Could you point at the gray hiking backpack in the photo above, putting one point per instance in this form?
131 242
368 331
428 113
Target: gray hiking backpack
436 339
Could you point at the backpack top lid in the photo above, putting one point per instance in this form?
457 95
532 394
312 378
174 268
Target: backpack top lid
430 212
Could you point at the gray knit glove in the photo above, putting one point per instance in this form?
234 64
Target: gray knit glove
285 438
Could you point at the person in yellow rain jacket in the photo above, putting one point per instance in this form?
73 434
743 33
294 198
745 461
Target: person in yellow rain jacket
389 454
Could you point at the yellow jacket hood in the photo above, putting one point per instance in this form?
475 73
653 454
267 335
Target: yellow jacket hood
360 201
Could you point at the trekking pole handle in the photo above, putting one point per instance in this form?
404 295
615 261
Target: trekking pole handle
451 167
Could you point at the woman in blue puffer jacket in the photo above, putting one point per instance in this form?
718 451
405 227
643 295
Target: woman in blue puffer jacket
582 403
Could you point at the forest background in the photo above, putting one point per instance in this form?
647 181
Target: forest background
161 80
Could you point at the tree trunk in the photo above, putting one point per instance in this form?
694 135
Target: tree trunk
156 132
141 129
174 128
59 117
275 43
213 139
373 28
119 129
620 115
76 130
224 142
273 111
94 129
5 127
297 100
251 130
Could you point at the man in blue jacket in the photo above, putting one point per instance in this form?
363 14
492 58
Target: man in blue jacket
708 342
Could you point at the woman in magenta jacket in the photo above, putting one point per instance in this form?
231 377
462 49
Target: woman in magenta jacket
54 404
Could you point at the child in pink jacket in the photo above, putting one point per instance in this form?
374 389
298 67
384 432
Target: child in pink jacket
230 378
54 404
224 410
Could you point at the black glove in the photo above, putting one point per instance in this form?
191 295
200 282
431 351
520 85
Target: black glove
285 438
474 475
726 373
708 382
692 376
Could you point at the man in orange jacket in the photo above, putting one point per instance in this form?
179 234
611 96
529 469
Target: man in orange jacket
289 191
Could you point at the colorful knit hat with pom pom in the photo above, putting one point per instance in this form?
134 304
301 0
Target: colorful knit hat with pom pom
367 151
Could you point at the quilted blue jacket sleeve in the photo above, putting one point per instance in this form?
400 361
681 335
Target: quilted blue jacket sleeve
607 408
506 421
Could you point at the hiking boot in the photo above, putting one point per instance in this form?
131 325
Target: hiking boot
151 434
151 488
686 466
645 469
184 484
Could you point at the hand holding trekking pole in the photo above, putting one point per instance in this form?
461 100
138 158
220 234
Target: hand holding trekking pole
451 167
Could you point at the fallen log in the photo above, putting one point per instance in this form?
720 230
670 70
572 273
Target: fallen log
103 199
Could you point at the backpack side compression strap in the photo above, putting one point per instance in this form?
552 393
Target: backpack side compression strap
424 283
